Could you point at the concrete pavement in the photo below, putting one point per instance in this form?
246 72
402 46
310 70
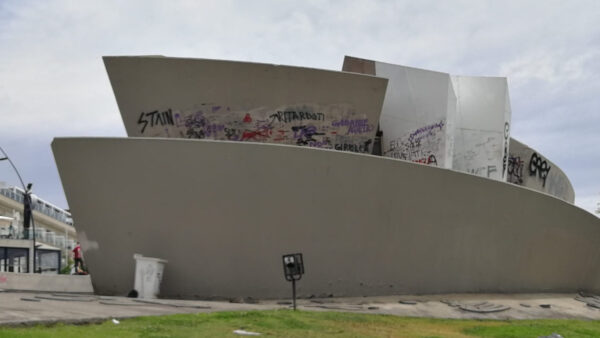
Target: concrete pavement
29 308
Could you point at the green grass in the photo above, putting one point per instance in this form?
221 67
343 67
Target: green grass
287 323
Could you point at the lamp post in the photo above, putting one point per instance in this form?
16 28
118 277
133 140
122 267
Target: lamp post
27 207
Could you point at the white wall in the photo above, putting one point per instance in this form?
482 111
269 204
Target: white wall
482 130
417 115
463 122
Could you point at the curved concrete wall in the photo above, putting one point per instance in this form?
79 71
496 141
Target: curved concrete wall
223 213
241 101
528 168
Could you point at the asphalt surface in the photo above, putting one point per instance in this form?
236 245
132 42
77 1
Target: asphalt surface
30 308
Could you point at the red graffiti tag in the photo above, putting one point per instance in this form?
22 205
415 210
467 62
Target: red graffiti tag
253 135
428 160
280 136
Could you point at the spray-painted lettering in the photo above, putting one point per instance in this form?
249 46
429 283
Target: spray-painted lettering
422 145
357 148
290 116
515 170
539 166
304 134
505 153
429 160
304 125
483 170
155 118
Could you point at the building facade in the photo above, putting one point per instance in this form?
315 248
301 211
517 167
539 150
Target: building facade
229 165
55 235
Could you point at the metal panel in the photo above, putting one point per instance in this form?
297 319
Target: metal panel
482 126
418 112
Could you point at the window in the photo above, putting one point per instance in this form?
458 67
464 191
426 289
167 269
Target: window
48 261
14 260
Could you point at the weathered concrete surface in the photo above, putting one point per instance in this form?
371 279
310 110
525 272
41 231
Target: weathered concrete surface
521 306
19 308
242 101
40 308
223 213
45 282
528 168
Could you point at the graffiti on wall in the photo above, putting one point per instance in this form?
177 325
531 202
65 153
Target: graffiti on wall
322 126
515 170
530 169
505 152
539 167
479 152
420 145
485 171
155 118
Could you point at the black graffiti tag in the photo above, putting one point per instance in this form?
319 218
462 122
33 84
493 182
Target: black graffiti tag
289 116
155 118
304 134
504 158
195 126
515 170
539 166
357 148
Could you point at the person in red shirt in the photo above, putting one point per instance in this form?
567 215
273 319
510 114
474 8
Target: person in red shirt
78 258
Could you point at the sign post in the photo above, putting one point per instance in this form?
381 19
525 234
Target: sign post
293 269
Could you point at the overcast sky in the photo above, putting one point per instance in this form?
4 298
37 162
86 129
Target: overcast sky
53 82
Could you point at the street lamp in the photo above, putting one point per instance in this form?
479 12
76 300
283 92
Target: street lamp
27 207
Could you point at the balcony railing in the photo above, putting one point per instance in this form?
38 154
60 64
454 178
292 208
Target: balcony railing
45 209
41 236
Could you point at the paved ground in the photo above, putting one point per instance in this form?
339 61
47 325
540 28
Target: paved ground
27 308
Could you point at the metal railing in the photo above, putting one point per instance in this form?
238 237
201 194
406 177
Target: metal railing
41 235
45 209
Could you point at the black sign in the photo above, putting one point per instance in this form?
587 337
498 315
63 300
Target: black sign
293 266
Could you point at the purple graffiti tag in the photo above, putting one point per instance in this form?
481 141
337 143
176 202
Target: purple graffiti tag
425 131
304 134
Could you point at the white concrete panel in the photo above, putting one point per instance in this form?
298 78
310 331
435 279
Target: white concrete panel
45 282
482 126
240 101
415 117
450 124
